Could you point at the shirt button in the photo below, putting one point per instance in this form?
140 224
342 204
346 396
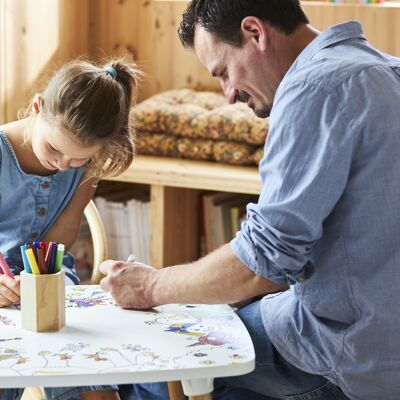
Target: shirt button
42 212
45 185
34 235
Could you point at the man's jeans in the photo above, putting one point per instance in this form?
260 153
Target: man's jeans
274 378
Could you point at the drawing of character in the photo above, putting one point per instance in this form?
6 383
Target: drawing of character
189 329
215 338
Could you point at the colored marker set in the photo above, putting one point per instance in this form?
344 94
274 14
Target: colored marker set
42 287
42 301
41 258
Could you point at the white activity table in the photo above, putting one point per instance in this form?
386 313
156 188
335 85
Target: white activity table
104 344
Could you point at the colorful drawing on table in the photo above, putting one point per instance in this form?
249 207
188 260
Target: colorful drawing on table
87 358
87 296
197 339
215 338
11 354
84 358
183 329
6 321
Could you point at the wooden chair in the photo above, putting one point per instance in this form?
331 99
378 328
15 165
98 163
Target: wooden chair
99 239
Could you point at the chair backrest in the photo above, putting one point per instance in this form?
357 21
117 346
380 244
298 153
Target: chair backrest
99 238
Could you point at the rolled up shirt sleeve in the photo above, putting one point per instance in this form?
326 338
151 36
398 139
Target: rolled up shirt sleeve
304 172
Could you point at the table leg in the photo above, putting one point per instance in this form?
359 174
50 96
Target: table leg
175 391
198 389
33 393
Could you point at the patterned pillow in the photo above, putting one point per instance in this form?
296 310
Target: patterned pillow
206 115
196 149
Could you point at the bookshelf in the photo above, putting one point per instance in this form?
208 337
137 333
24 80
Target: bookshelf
175 185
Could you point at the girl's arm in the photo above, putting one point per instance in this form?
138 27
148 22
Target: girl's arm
66 228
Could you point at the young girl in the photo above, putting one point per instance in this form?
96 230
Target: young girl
77 131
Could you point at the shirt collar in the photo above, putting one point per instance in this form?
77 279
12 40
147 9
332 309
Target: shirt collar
333 35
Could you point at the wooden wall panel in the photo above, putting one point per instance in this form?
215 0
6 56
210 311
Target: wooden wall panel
114 27
37 36
147 30
381 23
170 64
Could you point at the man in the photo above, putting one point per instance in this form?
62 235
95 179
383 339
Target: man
328 218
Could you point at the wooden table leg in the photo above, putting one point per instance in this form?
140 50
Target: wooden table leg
202 397
175 391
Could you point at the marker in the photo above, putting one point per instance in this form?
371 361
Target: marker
52 259
32 262
59 257
44 245
24 258
4 266
41 262
48 255
33 247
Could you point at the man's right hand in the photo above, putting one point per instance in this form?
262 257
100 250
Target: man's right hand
130 284
9 290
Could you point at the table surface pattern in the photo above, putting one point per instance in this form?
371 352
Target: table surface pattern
102 343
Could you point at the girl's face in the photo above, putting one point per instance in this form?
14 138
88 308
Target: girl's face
58 149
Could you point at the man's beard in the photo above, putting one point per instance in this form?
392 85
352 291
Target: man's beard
262 112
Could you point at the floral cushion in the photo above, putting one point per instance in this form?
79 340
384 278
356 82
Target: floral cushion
200 126
196 149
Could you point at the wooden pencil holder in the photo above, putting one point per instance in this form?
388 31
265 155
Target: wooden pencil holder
42 302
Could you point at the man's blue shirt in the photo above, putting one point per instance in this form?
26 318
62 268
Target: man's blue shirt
328 219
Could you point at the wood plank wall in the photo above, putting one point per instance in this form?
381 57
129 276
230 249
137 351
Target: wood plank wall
381 23
37 35
147 29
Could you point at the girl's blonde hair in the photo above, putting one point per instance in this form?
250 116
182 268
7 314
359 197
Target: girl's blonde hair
93 102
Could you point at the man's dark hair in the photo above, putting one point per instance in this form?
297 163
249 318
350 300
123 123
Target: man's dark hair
224 17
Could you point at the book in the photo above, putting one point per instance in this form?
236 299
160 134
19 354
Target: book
222 216
216 219
127 226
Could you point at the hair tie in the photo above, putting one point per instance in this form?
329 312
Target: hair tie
112 71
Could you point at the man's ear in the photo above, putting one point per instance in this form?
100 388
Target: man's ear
255 30
37 103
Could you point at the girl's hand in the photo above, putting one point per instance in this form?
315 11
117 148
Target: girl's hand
9 290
